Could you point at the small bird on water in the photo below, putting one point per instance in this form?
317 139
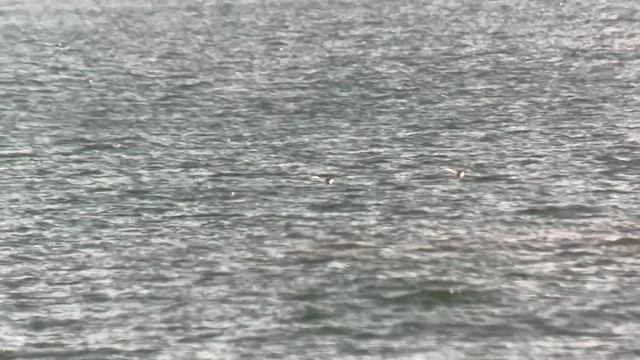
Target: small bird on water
458 173
329 180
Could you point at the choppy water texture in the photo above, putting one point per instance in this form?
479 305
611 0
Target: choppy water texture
156 199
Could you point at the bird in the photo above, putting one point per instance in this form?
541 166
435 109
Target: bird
458 173
329 180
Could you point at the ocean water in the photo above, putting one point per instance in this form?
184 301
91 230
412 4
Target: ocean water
158 199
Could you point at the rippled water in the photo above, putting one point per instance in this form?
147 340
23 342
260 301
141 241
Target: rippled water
157 199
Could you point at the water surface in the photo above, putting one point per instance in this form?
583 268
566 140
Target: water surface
157 199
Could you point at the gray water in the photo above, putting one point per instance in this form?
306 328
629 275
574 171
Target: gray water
157 199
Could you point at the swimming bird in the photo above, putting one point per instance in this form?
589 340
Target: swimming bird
458 173
329 180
